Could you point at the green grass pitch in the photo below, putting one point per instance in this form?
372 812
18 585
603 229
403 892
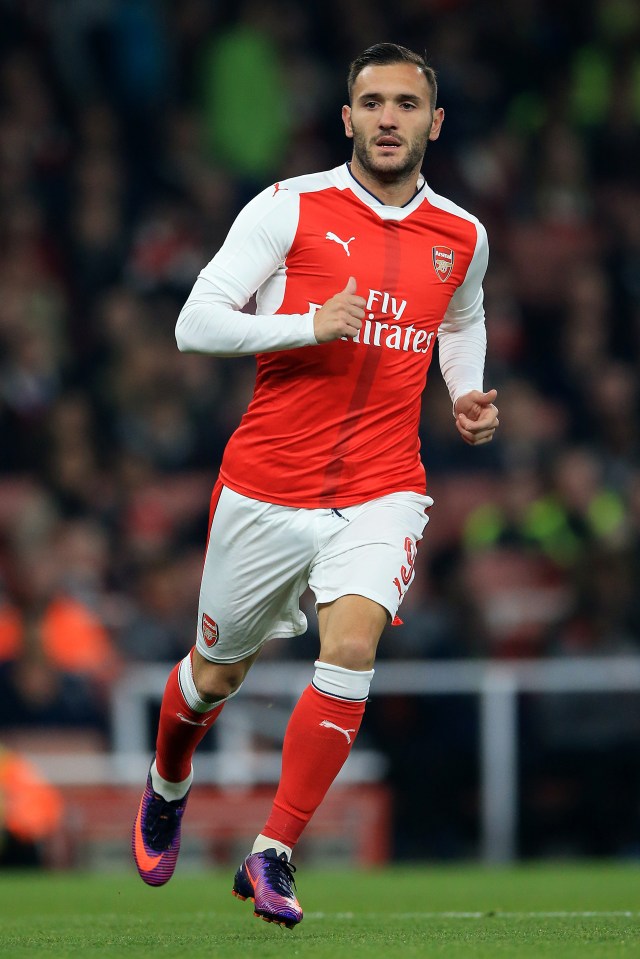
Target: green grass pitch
560 911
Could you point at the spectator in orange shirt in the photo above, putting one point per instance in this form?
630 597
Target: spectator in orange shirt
57 660
69 634
30 811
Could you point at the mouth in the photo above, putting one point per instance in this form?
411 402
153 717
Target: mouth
388 143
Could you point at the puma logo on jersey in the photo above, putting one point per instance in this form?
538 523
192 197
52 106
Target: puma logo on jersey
343 243
345 732
277 189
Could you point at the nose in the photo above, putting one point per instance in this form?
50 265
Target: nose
388 117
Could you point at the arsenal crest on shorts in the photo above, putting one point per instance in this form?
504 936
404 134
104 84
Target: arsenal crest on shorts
443 259
209 630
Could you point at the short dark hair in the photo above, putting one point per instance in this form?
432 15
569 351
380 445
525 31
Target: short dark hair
384 54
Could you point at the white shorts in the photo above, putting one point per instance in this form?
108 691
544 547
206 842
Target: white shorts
260 559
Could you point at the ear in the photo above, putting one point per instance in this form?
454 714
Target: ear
436 123
346 119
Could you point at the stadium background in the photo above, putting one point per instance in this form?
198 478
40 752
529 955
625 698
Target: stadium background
130 134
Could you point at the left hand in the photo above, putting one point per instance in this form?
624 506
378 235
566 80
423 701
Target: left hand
476 417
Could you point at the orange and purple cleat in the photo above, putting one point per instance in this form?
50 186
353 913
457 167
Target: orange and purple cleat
267 879
156 836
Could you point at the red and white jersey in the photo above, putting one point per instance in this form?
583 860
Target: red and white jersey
336 424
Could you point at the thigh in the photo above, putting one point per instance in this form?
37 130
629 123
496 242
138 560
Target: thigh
256 567
373 554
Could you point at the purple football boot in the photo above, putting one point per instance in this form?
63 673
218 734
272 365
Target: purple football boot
156 836
267 878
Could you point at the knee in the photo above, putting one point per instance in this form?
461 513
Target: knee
350 628
353 652
217 681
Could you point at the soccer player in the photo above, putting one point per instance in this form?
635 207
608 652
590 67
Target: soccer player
357 270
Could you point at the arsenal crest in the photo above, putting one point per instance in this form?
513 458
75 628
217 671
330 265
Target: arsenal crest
209 630
443 259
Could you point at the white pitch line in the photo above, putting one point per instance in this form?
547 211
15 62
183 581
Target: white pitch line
497 914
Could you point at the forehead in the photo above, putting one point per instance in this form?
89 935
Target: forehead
390 79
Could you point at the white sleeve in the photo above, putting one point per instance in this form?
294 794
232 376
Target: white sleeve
462 337
254 250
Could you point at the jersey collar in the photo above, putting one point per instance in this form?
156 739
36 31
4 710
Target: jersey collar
373 201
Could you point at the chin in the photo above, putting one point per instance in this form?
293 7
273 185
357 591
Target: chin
394 167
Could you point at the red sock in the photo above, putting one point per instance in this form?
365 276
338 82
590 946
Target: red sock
179 731
313 754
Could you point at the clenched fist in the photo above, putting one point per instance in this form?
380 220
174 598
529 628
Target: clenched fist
476 417
341 315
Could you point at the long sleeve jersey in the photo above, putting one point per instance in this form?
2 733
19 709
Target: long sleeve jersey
335 424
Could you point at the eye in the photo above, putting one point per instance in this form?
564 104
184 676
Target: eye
370 104
408 105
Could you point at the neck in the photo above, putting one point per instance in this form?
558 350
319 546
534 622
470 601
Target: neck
391 193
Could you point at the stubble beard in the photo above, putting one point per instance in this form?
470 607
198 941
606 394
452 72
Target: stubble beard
389 174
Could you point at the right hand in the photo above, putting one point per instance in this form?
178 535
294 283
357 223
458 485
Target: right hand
341 315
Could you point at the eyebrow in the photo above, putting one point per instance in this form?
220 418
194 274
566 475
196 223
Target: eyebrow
399 97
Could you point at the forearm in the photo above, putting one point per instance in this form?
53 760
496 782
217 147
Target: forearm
462 355
210 322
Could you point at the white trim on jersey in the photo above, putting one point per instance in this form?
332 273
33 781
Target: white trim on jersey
462 337
251 258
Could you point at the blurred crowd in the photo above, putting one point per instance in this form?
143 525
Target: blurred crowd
131 132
